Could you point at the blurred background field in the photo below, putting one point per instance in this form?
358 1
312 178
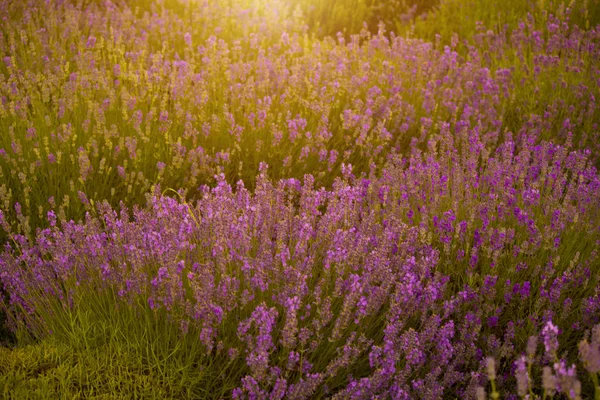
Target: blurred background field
119 102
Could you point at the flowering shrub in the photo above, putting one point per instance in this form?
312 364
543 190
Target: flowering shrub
366 289
370 216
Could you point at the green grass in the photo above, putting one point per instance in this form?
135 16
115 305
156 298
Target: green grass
104 348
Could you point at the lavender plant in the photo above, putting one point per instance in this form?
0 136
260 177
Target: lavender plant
348 292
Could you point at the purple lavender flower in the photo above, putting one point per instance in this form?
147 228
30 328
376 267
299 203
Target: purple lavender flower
91 42
522 376
550 338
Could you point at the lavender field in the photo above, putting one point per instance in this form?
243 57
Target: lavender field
299 199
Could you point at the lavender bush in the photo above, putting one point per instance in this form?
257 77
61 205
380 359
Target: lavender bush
373 285
209 200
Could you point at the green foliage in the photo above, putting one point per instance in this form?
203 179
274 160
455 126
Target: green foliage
428 19
104 348
328 18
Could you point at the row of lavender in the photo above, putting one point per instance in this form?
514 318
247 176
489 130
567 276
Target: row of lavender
456 254
112 100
